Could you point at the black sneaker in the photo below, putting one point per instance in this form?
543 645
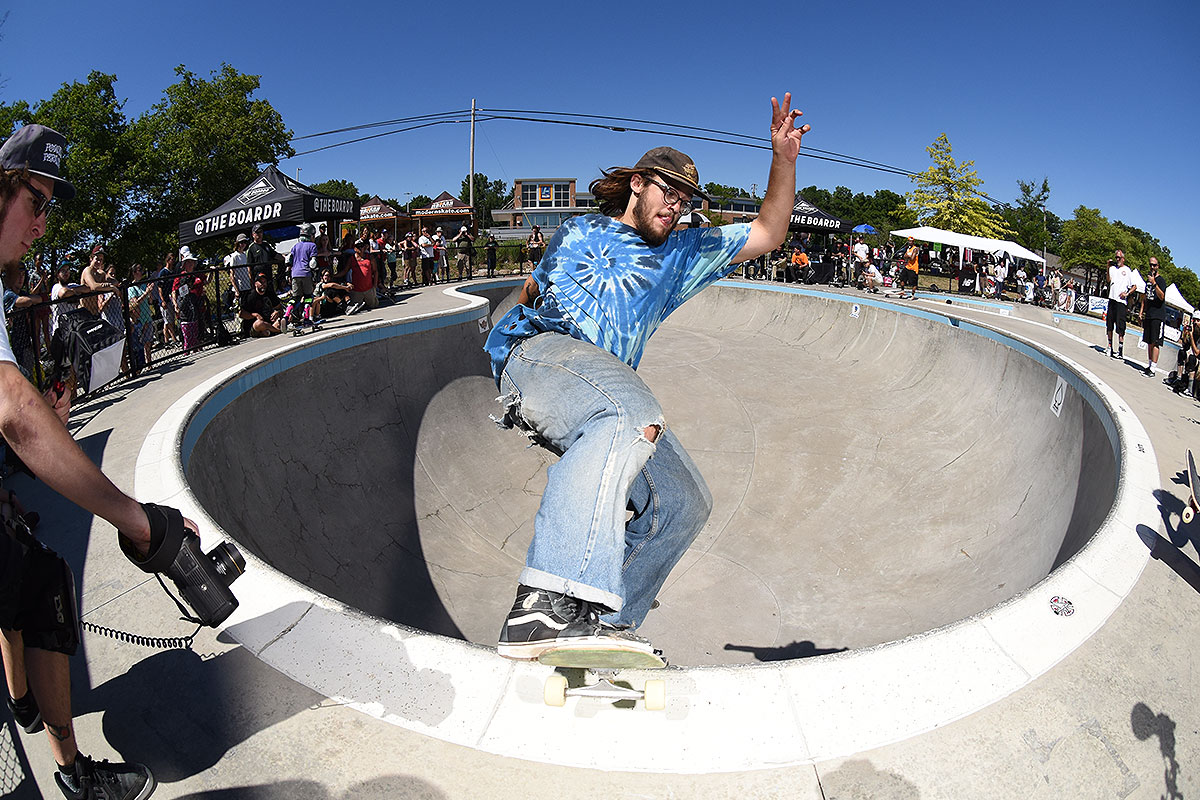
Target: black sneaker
25 711
541 620
101 780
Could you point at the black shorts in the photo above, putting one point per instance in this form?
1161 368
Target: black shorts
908 278
1152 332
37 595
1115 318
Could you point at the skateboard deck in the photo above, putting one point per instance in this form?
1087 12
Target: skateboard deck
1189 511
595 669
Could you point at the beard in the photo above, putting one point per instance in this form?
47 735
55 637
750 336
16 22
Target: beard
645 222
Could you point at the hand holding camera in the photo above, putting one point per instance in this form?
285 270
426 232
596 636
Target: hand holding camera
202 578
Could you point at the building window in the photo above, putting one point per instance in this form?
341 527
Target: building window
546 195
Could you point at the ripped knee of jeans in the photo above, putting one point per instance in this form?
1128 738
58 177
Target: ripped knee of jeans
512 413
651 432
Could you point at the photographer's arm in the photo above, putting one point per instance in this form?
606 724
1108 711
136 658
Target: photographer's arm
36 433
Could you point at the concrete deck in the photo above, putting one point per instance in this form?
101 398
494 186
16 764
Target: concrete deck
1111 718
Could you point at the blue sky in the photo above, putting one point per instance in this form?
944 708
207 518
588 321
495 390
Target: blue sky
1101 98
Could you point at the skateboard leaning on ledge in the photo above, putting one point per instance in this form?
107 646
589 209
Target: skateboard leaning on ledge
595 672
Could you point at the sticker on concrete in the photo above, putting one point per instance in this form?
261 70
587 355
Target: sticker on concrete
1060 396
1062 606
484 324
854 311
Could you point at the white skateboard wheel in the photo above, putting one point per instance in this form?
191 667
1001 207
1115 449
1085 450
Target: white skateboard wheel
555 691
656 695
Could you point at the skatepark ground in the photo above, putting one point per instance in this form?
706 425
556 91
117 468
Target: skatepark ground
1114 718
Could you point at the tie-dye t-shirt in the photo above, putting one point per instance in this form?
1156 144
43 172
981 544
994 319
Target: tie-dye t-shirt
601 283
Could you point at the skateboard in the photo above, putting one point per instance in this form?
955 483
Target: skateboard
303 327
595 673
1189 511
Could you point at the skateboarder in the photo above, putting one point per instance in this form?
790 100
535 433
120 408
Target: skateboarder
565 357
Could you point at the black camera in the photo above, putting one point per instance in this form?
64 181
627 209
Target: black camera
202 578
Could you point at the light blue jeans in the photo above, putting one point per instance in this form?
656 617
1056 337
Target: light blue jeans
586 404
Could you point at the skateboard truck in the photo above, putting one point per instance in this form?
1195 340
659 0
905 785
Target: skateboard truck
558 689
603 664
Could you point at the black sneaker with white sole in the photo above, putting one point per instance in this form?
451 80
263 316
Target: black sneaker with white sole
103 780
542 620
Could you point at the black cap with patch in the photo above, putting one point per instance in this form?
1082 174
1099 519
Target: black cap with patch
40 150
674 166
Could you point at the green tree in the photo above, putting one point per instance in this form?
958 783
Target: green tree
719 191
98 161
947 196
489 195
1033 225
205 140
337 188
1088 239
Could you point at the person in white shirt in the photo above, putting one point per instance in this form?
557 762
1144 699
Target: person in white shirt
872 279
239 273
1120 286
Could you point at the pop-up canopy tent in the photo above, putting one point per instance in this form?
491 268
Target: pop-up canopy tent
807 217
273 199
446 209
375 211
963 241
1174 298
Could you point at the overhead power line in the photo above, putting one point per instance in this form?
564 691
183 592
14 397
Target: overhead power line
604 123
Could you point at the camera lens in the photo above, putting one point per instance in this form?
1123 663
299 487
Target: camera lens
228 560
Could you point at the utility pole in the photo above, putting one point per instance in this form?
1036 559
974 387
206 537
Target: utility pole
471 166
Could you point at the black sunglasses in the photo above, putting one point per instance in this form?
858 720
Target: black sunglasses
41 203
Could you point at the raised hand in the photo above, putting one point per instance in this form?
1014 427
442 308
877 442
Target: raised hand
785 134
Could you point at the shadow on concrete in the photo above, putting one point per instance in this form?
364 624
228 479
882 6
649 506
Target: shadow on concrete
1146 723
1164 550
859 778
786 652
393 787
180 713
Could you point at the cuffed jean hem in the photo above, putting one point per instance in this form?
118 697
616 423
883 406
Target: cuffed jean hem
581 591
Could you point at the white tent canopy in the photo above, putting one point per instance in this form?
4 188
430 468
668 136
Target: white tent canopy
964 240
1174 298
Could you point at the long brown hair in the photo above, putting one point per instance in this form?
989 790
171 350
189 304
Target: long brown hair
10 182
612 190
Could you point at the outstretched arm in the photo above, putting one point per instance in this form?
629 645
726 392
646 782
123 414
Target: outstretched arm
35 431
770 228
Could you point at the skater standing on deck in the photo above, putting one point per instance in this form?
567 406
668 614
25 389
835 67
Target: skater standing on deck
565 360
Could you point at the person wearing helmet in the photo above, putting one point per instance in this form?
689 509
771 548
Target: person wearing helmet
303 260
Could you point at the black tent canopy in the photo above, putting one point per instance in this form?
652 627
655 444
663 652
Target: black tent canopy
272 199
807 217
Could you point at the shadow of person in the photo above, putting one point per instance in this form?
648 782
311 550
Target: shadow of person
1169 553
1170 508
1146 723
189 711
390 787
787 652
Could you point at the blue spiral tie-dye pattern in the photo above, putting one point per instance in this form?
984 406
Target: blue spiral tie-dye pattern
601 283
